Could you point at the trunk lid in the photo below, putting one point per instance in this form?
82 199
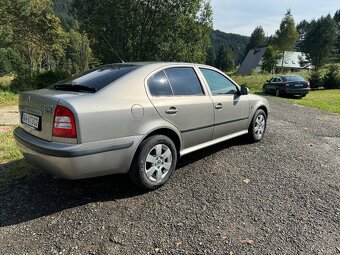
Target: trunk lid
297 84
37 110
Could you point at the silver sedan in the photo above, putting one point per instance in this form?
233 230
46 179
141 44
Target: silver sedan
135 118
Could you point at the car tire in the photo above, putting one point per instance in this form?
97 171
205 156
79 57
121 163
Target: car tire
277 92
258 126
302 95
154 162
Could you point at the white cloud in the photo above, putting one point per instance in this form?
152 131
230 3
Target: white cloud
243 16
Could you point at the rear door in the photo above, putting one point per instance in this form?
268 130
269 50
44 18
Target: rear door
231 109
179 98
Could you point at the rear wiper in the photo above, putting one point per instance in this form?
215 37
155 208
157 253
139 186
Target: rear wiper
76 88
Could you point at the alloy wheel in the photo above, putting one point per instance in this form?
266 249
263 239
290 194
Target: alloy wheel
260 125
158 162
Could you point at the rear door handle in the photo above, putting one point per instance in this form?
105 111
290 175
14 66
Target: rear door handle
172 110
219 106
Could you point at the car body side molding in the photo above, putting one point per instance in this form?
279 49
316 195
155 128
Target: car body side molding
206 144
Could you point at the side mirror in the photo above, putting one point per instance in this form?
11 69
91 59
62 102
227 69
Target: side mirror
244 90
267 81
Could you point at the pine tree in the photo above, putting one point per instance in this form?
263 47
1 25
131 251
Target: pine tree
337 46
286 37
257 39
225 60
211 56
302 29
319 42
270 58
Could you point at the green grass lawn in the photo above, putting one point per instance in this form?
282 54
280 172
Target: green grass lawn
13 166
327 100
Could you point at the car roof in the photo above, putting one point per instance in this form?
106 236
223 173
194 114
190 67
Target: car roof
157 64
290 75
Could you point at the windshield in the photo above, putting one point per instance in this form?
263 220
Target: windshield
95 79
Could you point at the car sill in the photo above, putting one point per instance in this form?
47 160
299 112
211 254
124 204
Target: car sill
206 144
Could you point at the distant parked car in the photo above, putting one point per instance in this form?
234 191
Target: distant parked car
135 118
287 85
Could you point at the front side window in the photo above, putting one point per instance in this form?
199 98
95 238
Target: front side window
218 83
184 81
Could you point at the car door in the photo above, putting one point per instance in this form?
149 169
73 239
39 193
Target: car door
231 109
269 85
179 98
273 84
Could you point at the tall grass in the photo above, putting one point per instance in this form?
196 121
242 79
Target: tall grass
7 97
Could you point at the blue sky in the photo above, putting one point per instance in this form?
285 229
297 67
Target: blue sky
242 16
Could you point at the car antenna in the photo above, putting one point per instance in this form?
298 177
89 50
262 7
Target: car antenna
121 60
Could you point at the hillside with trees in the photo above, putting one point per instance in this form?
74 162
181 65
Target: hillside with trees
236 44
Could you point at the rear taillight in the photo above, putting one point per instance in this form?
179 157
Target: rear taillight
64 123
286 85
308 84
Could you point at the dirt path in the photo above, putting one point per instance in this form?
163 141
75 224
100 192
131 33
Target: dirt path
9 116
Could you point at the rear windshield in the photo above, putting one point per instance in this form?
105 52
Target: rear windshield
96 79
294 78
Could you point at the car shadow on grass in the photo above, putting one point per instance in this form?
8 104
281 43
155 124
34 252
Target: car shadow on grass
35 194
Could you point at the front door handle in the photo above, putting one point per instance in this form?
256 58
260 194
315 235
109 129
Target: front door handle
219 106
172 110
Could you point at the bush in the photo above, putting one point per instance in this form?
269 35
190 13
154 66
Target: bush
332 77
43 80
316 80
21 83
38 81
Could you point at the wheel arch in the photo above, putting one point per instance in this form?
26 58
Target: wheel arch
169 133
264 108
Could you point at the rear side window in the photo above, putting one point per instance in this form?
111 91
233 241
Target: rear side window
184 81
96 79
159 85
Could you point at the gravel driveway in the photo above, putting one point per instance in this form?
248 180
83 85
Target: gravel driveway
280 196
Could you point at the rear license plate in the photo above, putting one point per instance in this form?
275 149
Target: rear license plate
30 120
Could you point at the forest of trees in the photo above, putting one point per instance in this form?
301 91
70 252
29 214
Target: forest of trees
42 41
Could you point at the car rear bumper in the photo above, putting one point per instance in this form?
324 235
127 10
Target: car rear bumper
78 161
302 91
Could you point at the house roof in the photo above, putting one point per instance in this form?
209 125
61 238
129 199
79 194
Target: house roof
292 59
252 59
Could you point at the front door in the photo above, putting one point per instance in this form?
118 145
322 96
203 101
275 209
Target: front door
231 109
